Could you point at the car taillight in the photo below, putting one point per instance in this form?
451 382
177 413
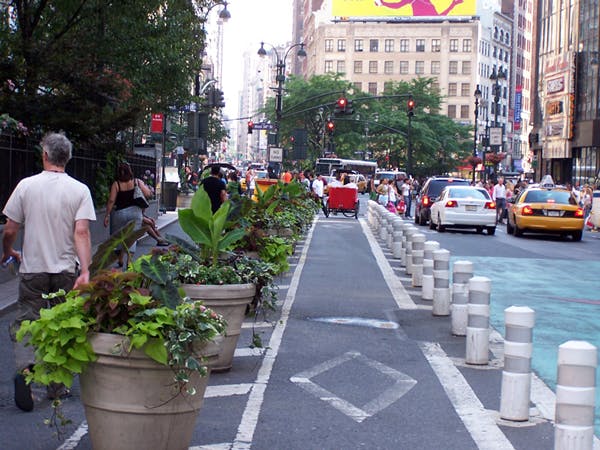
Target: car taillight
425 200
451 204
527 211
490 205
579 212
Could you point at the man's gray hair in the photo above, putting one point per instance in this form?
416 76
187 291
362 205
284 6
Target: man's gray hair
58 148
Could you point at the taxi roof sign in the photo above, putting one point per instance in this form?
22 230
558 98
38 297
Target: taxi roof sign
547 182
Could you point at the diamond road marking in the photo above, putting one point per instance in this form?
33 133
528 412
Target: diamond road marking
403 384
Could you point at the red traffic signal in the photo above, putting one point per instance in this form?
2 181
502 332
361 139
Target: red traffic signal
342 102
250 127
330 126
411 106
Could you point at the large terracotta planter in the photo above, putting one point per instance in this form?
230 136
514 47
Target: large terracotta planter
131 401
230 301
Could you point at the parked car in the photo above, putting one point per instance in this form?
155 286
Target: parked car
360 181
429 193
545 208
464 207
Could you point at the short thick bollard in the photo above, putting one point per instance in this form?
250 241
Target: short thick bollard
575 396
418 253
409 246
462 271
478 325
383 227
427 282
441 283
516 375
390 232
407 230
370 213
397 245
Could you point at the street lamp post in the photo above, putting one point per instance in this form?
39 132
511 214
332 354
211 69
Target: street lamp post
410 113
497 76
477 94
280 78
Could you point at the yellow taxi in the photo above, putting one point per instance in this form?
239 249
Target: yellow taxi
545 208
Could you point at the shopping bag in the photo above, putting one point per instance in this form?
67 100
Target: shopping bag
401 207
139 199
391 207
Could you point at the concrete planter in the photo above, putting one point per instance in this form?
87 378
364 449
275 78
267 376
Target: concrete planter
131 401
230 301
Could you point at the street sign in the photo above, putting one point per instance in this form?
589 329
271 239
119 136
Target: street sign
156 125
496 136
263 126
275 154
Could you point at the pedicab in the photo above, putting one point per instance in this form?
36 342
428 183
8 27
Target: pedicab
342 200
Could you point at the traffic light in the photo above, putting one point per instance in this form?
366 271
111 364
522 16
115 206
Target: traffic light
250 127
340 106
349 108
219 99
330 126
411 106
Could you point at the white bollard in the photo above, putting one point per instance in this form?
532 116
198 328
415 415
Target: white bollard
427 282
478 326
462 271
441 283
390 232
418 253
575 396
516 374
383 226
408 262
397 245
406 231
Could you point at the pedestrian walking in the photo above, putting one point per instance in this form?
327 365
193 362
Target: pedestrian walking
405 191
215 188
499 196
121 207
318 188
54 210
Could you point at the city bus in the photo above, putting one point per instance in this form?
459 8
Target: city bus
326 166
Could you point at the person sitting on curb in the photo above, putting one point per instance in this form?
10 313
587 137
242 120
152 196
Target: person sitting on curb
149 225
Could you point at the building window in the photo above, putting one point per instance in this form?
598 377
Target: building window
358 45
452 111
451 89
453 67
358 66
404 67
374 45
357 86
435 67
341 45
328 66
464 111
373 88
465 89
372 66
387 86
466 67
467 45
388 67
341 67
420 45
435 86
419 67
436 45
389 45
328 45
404 45
453 45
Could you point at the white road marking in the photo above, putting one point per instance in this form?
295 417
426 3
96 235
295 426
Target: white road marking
247 427
73 441
481 426
250 325
247 351
226 390
400 295
404 383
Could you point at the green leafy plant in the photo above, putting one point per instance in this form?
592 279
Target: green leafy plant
276 250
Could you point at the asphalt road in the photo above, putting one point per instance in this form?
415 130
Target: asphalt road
347 366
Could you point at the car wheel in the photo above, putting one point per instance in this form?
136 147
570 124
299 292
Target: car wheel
441 228
509 227
577 235
431 225
491 231
479 230
417 218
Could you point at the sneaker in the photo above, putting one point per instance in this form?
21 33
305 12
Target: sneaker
23 398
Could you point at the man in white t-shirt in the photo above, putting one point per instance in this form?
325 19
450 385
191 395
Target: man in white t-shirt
499 196
54 211
318 187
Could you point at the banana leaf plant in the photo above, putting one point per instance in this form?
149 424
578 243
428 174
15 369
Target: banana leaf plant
207 229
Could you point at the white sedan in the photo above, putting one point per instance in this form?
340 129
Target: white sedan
464 207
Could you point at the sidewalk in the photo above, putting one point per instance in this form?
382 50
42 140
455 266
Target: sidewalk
9 289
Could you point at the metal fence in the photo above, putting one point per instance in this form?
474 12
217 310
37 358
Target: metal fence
21 157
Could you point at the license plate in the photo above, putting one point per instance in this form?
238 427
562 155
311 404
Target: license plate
470 208
554 213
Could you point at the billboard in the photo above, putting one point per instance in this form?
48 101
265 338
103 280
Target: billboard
403 8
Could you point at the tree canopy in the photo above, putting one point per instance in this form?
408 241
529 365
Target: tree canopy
96 67
378 128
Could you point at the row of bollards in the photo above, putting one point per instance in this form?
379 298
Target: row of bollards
467 301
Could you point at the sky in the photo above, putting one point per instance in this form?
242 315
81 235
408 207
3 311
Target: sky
251 22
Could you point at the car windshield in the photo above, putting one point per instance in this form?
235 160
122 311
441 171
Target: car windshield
542 196
436 186
381 176
478 194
